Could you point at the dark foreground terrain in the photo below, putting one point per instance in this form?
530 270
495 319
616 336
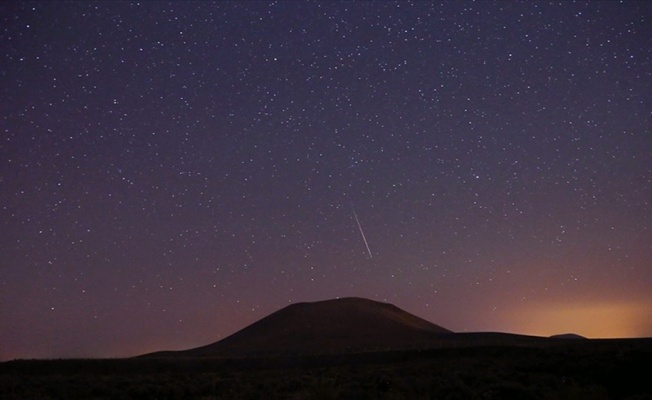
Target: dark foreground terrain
586 369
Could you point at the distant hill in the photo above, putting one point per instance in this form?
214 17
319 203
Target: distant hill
567 336
347 325
341 325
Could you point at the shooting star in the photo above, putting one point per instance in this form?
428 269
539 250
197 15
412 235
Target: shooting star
361 231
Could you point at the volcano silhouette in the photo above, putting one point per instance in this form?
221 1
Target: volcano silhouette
340 325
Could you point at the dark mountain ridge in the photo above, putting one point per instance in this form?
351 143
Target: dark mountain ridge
348 325
340 325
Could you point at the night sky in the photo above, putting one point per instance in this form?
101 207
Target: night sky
171 172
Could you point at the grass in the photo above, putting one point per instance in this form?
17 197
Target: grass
575 370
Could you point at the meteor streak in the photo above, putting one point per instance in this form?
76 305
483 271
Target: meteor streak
361 231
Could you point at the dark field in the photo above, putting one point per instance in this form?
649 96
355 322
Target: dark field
608 369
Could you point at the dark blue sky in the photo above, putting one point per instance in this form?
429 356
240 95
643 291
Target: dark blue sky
171 172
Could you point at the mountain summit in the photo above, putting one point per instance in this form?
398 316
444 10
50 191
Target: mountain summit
340 325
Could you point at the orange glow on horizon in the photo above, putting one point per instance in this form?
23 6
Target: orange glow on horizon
592 320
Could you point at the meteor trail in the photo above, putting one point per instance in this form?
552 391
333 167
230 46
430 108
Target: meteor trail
361 231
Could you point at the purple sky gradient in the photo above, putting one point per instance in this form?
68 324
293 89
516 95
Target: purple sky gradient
172 172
